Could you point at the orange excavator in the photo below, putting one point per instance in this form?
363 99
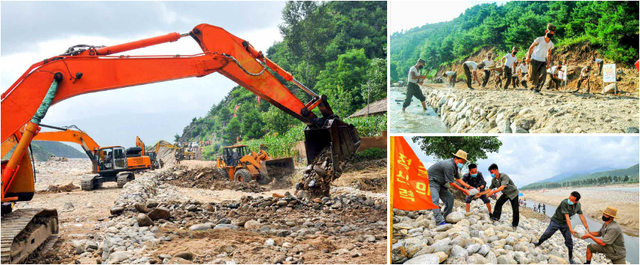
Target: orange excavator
84 69
112 163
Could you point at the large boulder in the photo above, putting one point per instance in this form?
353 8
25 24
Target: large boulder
159 213
454 217
144 220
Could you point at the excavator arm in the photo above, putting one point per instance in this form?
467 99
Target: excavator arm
140 143
66 134
85 69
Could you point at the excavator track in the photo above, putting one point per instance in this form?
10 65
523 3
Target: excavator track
26 232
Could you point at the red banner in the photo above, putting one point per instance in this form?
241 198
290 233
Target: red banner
409 179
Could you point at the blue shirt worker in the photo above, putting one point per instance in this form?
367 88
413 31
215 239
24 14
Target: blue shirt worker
476 180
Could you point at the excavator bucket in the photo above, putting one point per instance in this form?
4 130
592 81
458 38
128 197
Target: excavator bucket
328 149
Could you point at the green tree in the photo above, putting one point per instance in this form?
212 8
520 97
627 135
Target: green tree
476 147
252 124
341 81
375 87
277 121
233 130
176 138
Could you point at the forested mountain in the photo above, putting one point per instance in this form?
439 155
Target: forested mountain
611 28
623 175
335 48
43 150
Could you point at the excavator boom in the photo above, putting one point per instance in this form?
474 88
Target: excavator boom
85 69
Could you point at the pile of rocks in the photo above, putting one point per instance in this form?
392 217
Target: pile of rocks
317 176
465 111
472 238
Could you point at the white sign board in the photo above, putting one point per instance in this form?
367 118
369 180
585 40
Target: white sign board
609 73
563 73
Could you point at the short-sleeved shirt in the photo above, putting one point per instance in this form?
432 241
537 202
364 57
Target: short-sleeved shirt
541 50
450 73
510 60
414 70
523 68
565 208
553 70
476 181
612 236
443 172
472 65
487 63
584 72
510 188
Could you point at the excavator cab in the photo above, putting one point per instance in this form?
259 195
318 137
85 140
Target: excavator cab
112 158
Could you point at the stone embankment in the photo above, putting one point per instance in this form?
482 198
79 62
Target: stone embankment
472 238
521 111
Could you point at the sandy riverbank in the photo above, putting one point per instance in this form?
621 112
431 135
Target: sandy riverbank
594 199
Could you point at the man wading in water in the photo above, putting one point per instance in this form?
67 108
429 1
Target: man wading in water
413 89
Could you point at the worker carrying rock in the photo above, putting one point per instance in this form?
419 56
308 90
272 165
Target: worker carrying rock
612 242
413 89
471 67
451 75
502 182
476 180
441 173
561 220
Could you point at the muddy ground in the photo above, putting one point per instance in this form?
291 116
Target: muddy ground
171 215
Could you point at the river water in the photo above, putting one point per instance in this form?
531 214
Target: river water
630 240
414 119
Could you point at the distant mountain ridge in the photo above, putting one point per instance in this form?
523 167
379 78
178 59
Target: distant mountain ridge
572 174
632 172
43 150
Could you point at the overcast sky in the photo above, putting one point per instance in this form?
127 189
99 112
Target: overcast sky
527 159
32 31
404 15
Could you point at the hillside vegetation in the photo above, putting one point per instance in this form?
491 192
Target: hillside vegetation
336 48
617 176
609 28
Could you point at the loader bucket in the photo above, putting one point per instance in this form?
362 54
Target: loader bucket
280 167
341 138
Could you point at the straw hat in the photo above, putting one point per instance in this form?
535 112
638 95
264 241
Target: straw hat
461 154
610 211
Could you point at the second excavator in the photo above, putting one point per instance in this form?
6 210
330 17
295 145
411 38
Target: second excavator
112 163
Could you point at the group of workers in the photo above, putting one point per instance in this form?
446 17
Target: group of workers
534 68
446 173
540 208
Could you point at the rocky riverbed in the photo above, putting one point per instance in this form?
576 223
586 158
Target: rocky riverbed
152 220
472 238
522 111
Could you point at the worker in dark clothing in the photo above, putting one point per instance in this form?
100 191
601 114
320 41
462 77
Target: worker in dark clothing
442 173
561 220
611 241
502 183
476 180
